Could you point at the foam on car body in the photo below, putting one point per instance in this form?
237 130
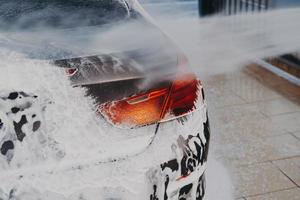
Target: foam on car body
21 116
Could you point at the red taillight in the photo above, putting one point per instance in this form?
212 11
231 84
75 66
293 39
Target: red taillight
156 105
183 95
71 71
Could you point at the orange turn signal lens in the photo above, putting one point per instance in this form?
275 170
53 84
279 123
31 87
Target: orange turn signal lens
135 111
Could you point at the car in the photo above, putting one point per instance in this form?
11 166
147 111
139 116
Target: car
150 136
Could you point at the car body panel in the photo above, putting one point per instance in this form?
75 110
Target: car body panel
186 140
43 154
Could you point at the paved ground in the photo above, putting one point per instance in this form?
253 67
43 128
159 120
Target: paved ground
255 119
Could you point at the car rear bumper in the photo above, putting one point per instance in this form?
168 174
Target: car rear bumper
182 176
172 167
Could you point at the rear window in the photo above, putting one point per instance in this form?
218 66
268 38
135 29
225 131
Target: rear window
32 14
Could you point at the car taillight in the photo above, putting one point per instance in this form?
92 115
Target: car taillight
71 71
157 105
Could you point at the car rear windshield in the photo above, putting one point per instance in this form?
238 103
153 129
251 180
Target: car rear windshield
32 14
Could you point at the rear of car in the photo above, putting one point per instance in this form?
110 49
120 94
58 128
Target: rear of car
143 90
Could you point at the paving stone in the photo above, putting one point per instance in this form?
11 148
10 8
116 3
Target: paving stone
218 92
261 150
259 179
218 98
278 106
290 122
251 90
291 167
291 194
238 123
297 134
255 132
